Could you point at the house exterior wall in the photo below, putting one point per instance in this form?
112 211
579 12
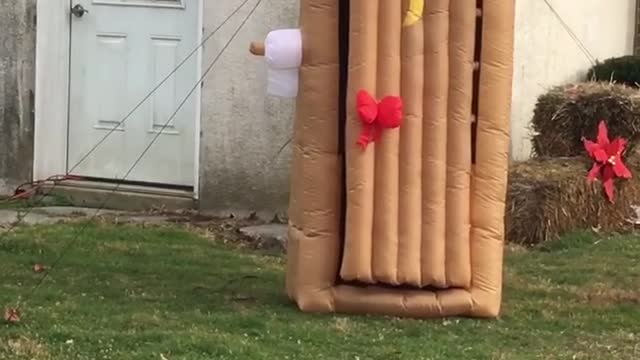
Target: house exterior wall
242 128
17 60
546 55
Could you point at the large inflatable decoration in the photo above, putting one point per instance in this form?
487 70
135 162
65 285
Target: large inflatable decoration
400 154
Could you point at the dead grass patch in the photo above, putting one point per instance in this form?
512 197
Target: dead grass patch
601 294
26 348
342 325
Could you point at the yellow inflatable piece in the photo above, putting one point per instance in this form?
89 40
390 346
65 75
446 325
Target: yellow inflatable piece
414 14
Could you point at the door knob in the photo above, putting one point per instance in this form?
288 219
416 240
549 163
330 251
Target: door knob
79 10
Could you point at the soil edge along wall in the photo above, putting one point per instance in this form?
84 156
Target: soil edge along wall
403 193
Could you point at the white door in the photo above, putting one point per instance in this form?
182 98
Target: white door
120 50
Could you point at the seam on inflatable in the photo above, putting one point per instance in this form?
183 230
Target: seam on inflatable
305 150
439 303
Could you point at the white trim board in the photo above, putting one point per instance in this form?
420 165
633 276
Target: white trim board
198 94
53 32
52 88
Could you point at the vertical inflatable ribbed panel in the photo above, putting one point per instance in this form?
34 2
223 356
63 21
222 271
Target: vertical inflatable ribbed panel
492 156
314 231
434 153
410 163
385 219
462 36
360 168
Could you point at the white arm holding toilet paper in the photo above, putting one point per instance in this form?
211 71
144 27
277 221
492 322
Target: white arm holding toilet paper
283 52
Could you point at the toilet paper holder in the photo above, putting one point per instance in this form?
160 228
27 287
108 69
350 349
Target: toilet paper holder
257 48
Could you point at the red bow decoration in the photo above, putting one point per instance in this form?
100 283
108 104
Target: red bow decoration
377 116
607 156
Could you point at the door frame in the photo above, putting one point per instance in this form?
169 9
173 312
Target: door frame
53 61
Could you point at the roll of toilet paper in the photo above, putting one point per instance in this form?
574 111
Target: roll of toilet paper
283 49
282 82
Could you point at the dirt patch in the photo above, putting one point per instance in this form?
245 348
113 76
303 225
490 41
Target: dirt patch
342 325
222 230
601 294
26 348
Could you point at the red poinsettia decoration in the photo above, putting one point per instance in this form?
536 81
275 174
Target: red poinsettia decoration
607 157
377 116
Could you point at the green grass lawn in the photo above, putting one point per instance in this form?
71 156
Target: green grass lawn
126 292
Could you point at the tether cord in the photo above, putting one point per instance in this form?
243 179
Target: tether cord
22 216
573 36
70 244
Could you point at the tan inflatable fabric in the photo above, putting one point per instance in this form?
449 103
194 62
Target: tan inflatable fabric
413 224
